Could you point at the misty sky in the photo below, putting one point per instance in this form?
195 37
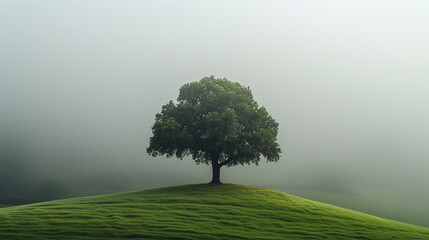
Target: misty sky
348 82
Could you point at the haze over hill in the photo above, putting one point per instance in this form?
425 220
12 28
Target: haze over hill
81 82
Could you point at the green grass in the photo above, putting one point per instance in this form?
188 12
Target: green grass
396 204
3 205
225 211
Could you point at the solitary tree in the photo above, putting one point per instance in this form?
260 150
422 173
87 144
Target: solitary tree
217 122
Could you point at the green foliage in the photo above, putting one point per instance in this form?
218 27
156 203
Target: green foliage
201 211
215 119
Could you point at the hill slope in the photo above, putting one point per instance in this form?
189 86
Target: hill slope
225 211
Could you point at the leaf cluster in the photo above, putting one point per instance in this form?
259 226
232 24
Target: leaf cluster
215 119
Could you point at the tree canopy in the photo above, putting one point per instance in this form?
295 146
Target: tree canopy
217 122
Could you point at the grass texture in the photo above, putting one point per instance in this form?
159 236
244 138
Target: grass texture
226 211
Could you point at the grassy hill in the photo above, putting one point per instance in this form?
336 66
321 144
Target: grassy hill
225 211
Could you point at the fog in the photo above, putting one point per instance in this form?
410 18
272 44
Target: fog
81 82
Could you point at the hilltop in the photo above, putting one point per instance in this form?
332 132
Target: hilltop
226 211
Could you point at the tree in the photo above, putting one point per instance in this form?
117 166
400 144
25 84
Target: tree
217 122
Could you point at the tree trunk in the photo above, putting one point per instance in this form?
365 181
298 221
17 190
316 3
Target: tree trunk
216 174
216 171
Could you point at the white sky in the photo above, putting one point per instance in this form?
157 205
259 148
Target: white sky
348 81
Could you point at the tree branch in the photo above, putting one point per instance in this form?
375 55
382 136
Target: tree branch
225 162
